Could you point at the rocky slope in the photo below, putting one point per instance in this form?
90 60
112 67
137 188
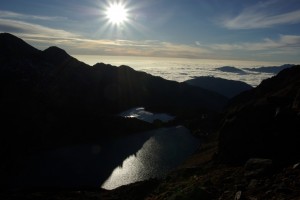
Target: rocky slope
264 122
200 177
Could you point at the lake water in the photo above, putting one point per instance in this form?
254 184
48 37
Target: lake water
165 149
141 114
107 164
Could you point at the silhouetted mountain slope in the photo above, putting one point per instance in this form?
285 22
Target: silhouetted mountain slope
14 47
55 55
124 86
264 122
228 88
64 80
49 99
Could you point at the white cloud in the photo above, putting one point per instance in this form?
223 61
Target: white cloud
198 43
14 15
285 42
25 28
139 48
42 37
261 15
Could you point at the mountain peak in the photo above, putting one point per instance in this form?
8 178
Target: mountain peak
56 54
125 67
12 46
7 35
228 88
55 49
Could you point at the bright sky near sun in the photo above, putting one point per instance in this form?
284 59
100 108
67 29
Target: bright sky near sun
267 30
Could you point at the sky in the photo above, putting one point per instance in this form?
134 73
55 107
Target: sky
266 30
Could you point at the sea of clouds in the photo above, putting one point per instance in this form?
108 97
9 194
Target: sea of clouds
180 70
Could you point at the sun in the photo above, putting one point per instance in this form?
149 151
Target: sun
117 13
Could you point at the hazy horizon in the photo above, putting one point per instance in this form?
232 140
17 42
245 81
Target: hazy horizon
182 69
123 59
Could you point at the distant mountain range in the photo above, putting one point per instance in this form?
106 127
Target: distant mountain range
228 88
270 69
243 71
231 69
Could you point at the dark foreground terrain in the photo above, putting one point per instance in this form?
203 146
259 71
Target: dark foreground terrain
252 151
200 177
49 100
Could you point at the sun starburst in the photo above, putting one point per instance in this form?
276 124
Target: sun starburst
117 13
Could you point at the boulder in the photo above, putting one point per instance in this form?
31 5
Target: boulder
257 167
238 195
296 166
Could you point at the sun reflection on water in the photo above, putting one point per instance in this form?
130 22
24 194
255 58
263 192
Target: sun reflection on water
159 154
133 167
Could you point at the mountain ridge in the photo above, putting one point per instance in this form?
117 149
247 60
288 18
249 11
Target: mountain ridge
49 99
228 88
55 54
16 47
270 69
58 57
